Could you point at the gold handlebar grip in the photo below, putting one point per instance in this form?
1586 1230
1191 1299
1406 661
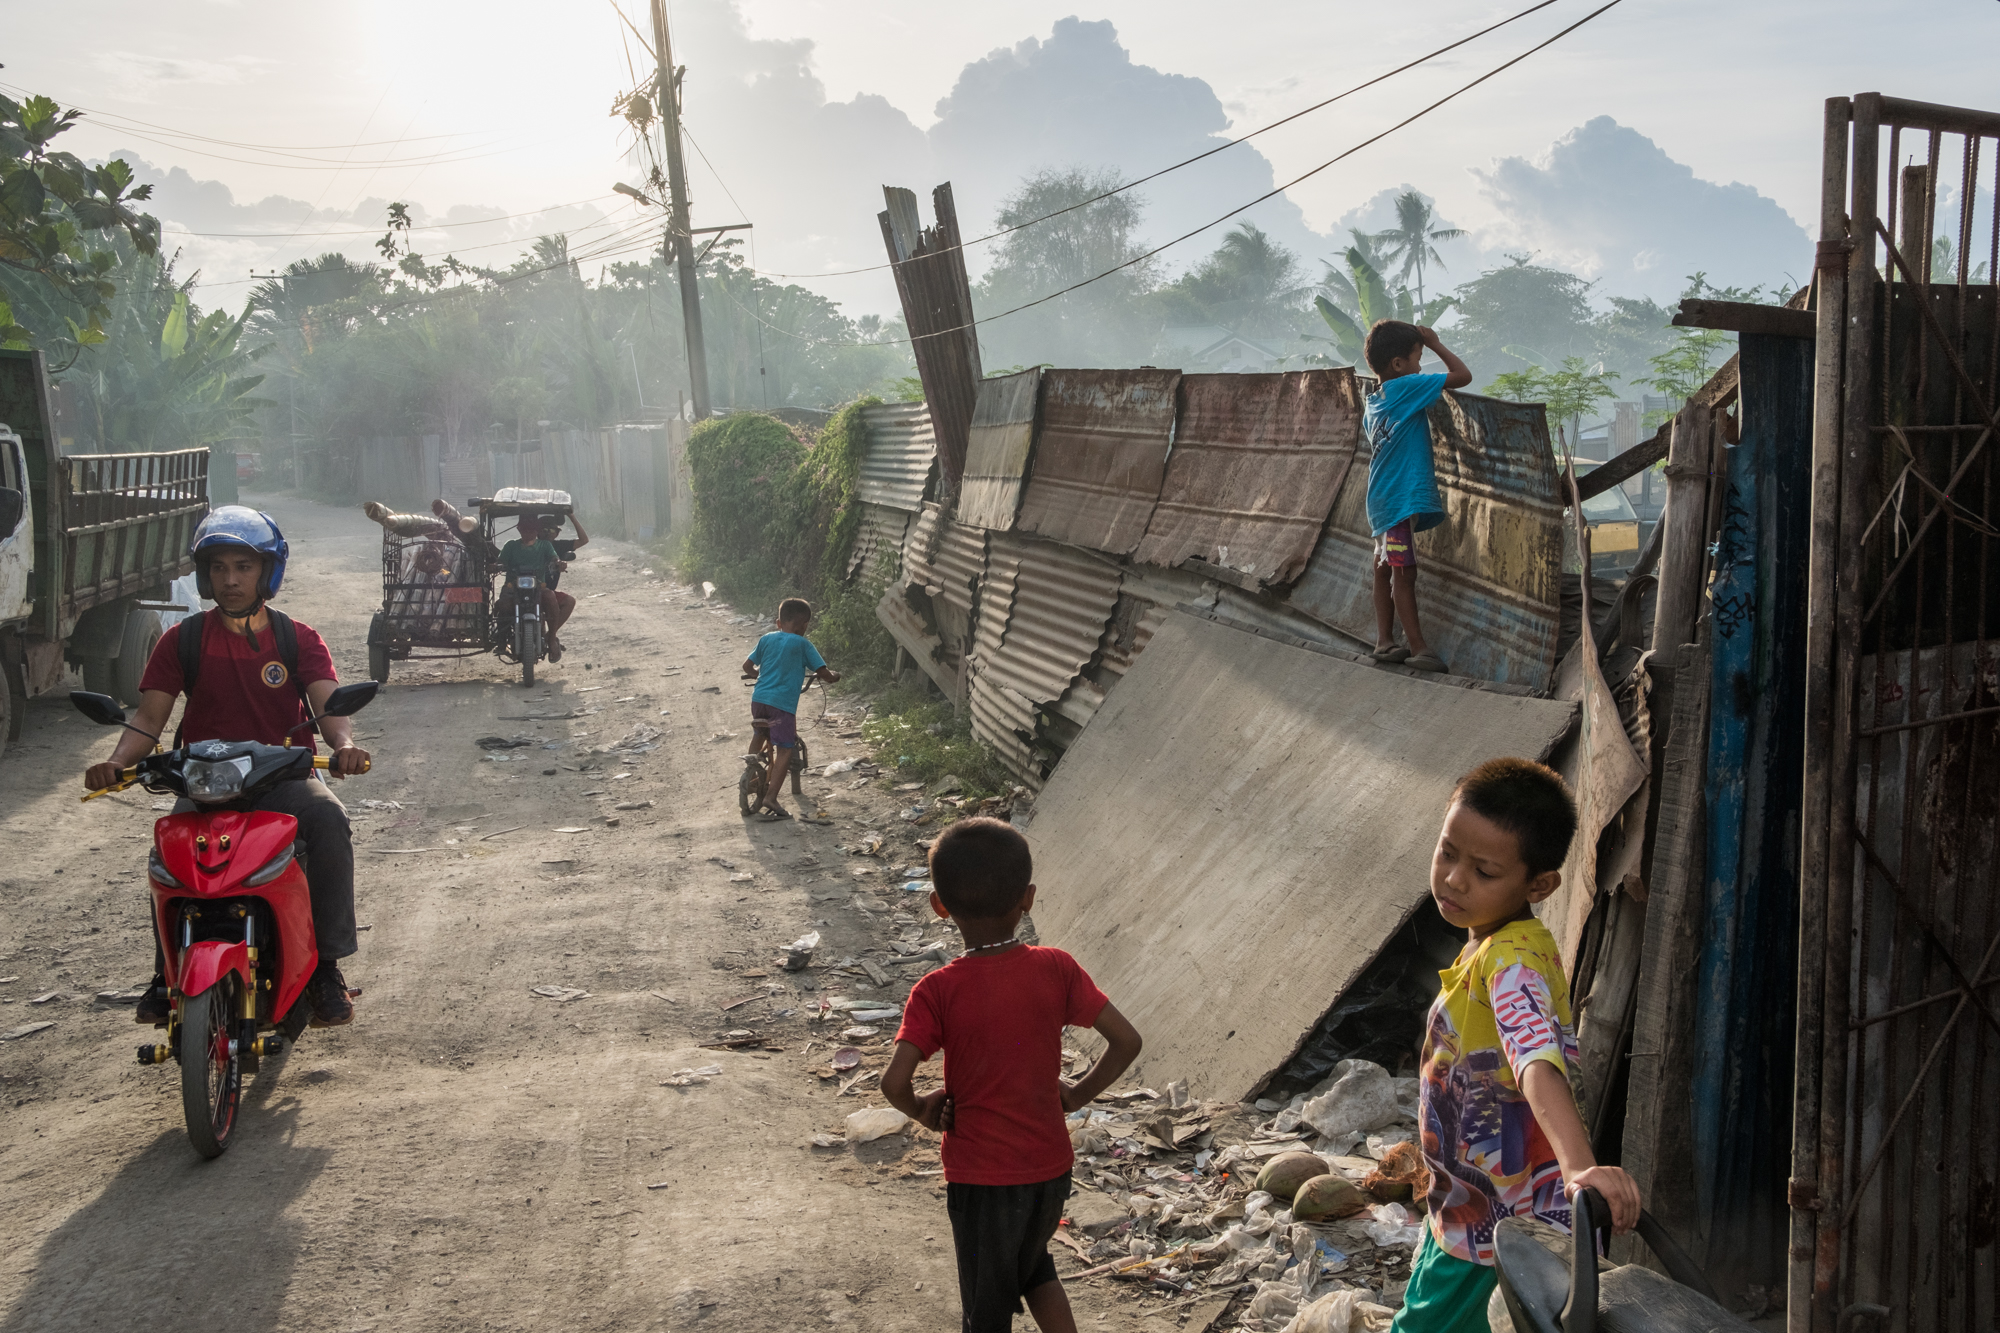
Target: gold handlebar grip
128 777
326 762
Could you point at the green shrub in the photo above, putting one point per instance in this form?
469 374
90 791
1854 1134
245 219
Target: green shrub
921 739
742 469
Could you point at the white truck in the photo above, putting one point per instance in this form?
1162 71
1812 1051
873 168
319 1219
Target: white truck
89 546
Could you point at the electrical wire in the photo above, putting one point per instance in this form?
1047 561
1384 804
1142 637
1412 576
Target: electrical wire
248 147
374 231
1269 194
1188 162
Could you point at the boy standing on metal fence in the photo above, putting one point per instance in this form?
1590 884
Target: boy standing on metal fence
1403 497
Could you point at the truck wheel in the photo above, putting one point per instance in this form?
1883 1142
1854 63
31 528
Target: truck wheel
135 649
100 675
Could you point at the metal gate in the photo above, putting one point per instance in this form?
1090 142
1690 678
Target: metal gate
1896 1145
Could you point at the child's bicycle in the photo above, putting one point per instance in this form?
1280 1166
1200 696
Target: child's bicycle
757 764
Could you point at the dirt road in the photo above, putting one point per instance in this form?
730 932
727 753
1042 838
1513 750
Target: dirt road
469 1155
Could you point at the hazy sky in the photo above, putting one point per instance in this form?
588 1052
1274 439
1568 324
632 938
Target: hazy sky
1612 152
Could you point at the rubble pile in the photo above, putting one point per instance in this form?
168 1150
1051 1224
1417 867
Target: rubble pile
1183 1198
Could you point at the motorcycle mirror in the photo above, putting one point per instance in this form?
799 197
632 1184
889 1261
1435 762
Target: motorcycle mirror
350 699
99 708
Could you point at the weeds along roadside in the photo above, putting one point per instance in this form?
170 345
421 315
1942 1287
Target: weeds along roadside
775 516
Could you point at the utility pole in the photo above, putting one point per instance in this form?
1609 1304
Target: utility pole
677 212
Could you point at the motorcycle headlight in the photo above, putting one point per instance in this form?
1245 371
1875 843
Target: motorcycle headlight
271 869
157 869
215 780
525 581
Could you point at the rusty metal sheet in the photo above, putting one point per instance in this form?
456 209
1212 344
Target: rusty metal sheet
907 627
1257 462
1100 456
957 565
1063 597
996 459
1001 718
1242 826
1491 580
879 535
899 466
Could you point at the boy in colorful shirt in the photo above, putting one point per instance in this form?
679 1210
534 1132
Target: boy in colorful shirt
998 1012
1403 497
779 663
1497 1113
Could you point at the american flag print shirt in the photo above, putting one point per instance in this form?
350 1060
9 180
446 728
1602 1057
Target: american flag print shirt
1503 1005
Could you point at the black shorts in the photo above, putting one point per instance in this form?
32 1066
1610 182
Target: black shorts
1002 1233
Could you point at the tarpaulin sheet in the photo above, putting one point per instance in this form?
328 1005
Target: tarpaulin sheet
1100 456
1240 829
1003 433
1490 579
1257 462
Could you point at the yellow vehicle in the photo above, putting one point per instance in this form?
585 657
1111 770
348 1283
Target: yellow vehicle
1614 533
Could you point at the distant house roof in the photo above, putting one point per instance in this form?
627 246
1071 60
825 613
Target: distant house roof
1214 347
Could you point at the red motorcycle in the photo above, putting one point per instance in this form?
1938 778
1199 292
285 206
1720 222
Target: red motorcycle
232 910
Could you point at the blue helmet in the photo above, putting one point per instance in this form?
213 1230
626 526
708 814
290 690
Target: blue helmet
240 525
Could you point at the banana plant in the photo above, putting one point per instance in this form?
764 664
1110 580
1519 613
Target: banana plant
1351 302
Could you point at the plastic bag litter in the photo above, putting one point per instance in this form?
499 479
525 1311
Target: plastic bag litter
837 767
870 1124
1363 1097
1392 1226
799 953
875 1015
1345 1311
688 1078
859 1033
1274 1301
870 845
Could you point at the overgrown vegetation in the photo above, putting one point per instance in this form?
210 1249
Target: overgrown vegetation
776 516
920 736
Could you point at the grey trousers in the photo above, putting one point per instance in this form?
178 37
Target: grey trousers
329 841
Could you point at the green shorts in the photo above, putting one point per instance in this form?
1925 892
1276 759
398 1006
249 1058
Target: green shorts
1446 1294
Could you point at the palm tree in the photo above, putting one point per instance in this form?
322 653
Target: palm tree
1411 240
1353 301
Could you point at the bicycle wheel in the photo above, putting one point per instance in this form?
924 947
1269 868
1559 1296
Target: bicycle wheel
750 788
211 1070
799 762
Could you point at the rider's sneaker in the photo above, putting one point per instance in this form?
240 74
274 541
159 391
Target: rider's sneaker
154 1005
327 992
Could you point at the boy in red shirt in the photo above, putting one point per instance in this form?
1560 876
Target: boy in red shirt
998 1012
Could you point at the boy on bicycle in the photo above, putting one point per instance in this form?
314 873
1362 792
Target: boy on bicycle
779 663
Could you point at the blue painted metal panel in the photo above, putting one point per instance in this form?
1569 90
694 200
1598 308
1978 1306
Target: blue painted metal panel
1741 1091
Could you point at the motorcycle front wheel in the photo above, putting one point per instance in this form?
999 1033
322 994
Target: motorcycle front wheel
211 1071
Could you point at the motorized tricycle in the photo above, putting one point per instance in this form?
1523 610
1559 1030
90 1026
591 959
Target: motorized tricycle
231 907
438 588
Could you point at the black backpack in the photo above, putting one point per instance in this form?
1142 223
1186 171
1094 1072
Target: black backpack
196 626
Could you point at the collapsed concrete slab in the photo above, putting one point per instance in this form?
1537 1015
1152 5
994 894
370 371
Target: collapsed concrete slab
1240 828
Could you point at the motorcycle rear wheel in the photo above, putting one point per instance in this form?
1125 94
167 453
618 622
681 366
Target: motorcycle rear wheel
211 1074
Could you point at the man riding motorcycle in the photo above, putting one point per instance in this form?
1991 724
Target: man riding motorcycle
253 670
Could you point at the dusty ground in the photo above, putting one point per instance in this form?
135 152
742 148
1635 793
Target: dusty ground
468 1155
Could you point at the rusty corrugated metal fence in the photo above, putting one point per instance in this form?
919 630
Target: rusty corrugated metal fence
1896 1142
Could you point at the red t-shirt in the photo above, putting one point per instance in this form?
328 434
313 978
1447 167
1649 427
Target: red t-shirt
999 1021
240 695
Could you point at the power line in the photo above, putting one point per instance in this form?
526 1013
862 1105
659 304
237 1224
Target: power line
373 231
1222 147
1272 193
250 147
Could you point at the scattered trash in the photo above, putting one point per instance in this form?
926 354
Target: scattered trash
501 743
570 828
662 1185
26 1030
46 996
846 1058
909 786
859 1033
688 1078
132 996
867 1125
917 886
837 767
875 972
723 862
827 1141
948 785
561 994
722 736
633 805
798 955
389 807
742 877
640 739
707 590
1345 1311
1363 1097
1393 1226
876 1015
870 845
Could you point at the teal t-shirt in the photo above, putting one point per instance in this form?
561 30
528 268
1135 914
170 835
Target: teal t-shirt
537 557
1402 480
782 660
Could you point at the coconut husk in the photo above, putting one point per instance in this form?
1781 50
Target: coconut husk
1402 1175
